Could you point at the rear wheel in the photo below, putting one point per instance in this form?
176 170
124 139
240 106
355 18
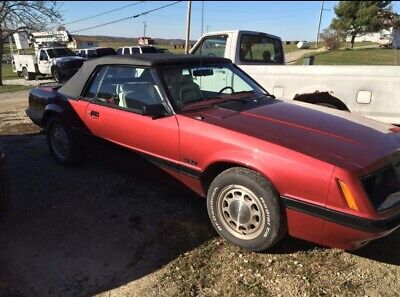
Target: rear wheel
63 143
245 209
56 74
27 75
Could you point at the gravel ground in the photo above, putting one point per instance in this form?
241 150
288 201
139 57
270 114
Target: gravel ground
117 226
23 82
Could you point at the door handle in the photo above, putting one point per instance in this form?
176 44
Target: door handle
94 114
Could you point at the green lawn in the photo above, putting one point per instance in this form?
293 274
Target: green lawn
7 72
367 56
13 88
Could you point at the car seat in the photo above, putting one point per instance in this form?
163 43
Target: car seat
137 94
189 90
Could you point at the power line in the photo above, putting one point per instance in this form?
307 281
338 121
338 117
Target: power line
127 18
103 13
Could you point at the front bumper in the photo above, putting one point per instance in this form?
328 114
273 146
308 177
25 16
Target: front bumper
333 228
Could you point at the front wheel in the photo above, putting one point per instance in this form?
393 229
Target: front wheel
56 75
245 209
63 143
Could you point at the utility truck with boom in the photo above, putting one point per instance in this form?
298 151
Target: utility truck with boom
371 91
51 56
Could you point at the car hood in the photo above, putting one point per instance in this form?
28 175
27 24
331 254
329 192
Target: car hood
337 137
68 59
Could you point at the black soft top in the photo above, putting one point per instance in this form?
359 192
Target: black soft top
73 87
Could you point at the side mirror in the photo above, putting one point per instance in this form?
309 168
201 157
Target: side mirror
156 111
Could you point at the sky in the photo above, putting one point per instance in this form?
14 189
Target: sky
291 20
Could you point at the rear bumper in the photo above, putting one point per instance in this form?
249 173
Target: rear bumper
333 228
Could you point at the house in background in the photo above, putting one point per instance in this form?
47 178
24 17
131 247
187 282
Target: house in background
82 41
393 33
145 40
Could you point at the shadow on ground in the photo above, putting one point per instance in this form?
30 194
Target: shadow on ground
114 219
80 231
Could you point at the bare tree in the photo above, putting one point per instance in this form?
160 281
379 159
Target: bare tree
25 16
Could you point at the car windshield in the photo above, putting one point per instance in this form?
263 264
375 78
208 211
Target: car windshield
192 85
149 50
60 52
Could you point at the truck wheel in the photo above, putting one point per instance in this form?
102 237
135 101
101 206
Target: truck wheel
63 143
56 75
245 210
27 75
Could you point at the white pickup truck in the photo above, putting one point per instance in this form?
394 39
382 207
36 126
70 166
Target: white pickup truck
59 62
371 91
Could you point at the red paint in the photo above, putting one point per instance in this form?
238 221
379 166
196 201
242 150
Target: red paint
300 149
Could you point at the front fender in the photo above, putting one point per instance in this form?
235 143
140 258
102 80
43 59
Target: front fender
254 160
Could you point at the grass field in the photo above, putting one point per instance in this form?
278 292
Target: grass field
7 72
367 56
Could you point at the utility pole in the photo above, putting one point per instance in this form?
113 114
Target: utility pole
189 9
202 17
207 26
319 22
144 29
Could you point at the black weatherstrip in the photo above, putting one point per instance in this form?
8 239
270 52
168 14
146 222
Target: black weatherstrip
173 166
342 218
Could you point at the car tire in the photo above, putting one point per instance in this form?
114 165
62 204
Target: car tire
245 209
64 144
56 75
27 75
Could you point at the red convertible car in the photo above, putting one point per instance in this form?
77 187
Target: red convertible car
267 167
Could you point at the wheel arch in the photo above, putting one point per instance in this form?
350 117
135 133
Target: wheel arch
50 111
321 97
219 166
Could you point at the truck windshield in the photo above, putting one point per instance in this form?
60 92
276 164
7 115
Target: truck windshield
187 84
261 49
60 52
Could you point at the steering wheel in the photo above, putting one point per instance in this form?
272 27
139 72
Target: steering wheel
226 88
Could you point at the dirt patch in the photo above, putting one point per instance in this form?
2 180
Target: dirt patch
118 226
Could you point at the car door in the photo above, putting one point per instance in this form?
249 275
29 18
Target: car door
117 94
44 62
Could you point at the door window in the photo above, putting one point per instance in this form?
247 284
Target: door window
91 53
212 46
126 51
135 50
43 56
119 51
260 49
128 87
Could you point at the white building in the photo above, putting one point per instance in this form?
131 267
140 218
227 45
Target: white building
393 33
